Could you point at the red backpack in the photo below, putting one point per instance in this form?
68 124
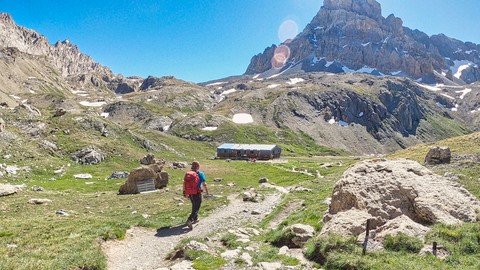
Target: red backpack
191 183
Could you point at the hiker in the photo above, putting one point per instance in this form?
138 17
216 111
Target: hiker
192 188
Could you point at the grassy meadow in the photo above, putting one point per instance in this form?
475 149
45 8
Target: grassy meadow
35 237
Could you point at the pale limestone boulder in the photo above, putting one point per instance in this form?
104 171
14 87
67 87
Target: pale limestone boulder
401 224
7 189
346 223
383 190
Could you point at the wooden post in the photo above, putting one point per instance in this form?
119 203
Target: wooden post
365 242
434 249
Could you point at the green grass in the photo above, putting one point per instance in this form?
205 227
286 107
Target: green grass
34 237
203 260
229 240
402 242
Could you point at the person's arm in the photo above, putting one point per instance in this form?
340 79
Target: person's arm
203 180
205 187
184 193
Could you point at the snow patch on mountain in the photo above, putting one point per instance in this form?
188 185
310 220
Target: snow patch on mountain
464 92
242 118
295 81
460 66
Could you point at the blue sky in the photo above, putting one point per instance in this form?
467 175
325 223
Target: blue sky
202 40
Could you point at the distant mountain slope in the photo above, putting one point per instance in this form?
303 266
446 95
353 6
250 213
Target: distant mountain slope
356 112
307 112
352 35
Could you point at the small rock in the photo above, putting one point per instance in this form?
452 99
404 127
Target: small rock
11 169
118 175
217 179
11 246
37 188
256 212
263 180
269 265
183 265
194 245
230 254
283 250
243 240
145 215
62 213
179 199
247 259
39 201
83 176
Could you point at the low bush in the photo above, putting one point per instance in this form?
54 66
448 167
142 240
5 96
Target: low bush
318 250
403 242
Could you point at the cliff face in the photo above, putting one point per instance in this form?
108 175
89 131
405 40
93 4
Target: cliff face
352 35
63 55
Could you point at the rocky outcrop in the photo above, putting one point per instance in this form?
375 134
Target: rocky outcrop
352 35
88 156
438 155
63 55
396 192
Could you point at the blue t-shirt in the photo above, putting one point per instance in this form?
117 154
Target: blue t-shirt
202 177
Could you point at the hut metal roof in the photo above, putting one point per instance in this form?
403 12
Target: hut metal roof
233 146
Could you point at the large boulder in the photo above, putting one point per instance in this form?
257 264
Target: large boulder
141 176
438 155
384 190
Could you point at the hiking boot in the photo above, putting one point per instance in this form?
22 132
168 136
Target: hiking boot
189 224
196 221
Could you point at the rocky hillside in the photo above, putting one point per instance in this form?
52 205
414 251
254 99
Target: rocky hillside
352 35
310 112
356 112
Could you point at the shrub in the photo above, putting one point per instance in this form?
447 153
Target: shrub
229 240
319 249
280 238
403 242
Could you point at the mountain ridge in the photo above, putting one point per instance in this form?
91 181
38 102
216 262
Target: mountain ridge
348 35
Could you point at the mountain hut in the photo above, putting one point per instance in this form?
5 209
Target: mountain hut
249 151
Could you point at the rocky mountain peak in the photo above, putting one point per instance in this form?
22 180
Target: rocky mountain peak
369 8
352 36
6 18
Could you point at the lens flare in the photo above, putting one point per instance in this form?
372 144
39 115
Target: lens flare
287 30
280 56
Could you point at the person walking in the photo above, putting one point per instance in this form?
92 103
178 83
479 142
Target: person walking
192 188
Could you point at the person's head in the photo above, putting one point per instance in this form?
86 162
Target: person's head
195 165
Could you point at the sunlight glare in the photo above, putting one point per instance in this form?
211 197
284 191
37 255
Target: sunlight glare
280 56
287 30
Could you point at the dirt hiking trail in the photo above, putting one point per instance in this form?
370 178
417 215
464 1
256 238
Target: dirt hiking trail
144 249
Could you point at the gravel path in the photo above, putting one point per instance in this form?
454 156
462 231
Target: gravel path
145 249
